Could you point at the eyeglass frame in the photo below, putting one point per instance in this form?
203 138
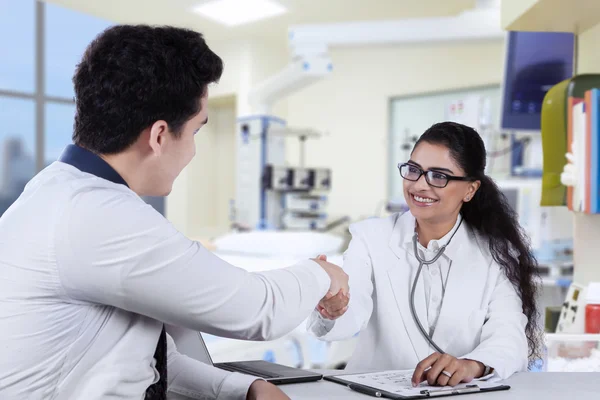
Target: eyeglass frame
423 172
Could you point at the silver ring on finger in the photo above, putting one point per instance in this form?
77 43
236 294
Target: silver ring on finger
448 374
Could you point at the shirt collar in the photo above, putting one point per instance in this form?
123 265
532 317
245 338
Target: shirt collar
435 245
86 161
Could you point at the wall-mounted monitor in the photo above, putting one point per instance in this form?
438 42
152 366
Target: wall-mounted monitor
535 61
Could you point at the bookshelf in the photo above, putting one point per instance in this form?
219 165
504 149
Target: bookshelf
581 17
575 16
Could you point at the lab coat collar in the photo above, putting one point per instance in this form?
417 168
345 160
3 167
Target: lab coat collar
404 230
86 161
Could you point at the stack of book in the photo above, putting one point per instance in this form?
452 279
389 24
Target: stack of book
583 141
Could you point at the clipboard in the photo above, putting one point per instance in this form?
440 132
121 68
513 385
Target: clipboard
420 393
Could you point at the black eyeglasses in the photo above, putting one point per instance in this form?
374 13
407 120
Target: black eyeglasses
434 178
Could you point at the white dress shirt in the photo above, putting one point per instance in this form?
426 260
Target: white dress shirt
89 273
435 275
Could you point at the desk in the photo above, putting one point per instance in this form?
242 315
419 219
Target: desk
526 386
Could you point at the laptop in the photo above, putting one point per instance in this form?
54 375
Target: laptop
276 374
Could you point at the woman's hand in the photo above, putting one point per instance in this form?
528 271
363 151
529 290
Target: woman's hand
445 370
333 306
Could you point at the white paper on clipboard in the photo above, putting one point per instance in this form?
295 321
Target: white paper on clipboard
399 382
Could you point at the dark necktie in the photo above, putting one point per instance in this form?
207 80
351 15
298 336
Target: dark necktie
158 391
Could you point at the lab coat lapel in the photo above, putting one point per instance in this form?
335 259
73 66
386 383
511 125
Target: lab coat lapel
456 298
402 274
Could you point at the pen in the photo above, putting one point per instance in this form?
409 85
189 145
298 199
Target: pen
365 390
445 392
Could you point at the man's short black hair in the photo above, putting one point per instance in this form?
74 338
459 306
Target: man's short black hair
131 76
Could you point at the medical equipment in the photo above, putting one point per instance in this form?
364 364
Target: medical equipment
414 285
310 45
304 221
296 179
305 202
534 62
265 180
305 211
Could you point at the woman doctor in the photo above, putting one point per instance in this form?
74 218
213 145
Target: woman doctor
473 307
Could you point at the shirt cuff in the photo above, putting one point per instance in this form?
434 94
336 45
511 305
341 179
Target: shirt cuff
236 386
318 325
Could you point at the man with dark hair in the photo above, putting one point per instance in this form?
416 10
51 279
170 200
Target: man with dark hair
90 274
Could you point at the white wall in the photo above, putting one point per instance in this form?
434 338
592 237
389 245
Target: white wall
352 107
246 63
200 199
199 203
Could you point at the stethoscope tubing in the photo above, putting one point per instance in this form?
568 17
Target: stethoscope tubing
414 286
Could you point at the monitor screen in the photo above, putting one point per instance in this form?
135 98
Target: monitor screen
535 61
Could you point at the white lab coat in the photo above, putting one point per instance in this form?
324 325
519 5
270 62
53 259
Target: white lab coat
481 316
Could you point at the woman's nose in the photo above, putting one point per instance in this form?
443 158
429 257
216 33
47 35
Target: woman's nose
421 183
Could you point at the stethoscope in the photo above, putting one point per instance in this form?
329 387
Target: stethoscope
414 285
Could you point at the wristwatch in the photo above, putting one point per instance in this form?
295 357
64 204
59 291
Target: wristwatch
487 370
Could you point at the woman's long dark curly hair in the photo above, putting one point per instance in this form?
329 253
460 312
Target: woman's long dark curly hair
490 215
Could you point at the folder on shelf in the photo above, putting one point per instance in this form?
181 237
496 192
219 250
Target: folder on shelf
554 144
592 111
576 89
574 114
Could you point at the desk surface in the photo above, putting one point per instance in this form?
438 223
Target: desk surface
540 385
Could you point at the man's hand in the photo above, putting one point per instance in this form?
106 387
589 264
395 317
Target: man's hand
262 390
436 368
339 279
333 306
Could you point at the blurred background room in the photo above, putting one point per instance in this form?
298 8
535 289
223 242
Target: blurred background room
319 101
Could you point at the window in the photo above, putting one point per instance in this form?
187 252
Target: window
17 45
17 146
63 40
67 34
59 129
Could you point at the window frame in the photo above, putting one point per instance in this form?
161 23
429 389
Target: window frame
39 95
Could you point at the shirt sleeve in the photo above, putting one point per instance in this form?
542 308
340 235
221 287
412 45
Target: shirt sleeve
193 379
114 249
358 266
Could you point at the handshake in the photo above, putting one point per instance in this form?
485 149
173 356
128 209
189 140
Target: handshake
335 302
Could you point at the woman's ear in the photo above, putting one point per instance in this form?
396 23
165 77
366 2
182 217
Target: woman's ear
473 187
